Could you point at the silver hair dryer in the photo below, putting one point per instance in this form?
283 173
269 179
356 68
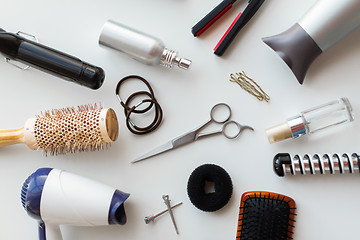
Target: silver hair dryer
56 197
326 23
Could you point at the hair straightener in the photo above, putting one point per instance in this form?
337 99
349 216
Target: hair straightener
240 21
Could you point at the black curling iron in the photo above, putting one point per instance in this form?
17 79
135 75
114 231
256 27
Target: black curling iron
16 47
240 21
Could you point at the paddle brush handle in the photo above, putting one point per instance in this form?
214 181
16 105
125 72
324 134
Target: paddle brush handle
10 137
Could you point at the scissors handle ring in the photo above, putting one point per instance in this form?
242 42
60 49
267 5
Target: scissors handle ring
231 136
219 105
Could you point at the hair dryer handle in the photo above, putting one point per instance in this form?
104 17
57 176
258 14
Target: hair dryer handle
51 232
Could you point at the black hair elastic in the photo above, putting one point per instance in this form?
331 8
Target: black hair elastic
130 110
213 201
130 98
152 126
117 92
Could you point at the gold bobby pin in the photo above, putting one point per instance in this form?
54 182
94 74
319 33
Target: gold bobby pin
246 83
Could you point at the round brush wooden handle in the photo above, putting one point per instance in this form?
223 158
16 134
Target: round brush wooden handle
10 137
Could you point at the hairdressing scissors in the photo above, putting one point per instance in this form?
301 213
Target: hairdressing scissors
195 134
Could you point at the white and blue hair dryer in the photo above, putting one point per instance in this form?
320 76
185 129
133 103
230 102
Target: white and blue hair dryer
325 24
56 197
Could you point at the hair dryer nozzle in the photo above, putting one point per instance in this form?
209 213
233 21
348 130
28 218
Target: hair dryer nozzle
117 211
326 23
296 48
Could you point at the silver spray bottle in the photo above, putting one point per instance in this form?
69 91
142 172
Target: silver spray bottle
140 46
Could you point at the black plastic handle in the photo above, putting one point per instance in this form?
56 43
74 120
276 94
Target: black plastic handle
211 17
248 13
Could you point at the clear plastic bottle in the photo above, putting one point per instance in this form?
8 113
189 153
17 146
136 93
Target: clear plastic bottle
313 120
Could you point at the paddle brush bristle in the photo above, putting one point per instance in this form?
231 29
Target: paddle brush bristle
266 215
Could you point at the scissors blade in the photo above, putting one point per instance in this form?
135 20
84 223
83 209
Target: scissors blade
163 148
174 143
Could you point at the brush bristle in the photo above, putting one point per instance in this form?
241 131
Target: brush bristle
267 216
67 130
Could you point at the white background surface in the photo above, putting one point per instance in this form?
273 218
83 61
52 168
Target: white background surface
327 206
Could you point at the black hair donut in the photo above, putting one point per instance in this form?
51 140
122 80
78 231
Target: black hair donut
209 202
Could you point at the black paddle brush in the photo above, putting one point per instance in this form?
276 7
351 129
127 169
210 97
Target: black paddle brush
265 215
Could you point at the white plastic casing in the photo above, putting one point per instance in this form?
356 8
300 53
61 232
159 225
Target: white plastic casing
71 199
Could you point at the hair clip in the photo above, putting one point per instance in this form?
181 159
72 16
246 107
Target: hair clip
240 21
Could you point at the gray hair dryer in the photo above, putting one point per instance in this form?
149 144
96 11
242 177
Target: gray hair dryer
326 23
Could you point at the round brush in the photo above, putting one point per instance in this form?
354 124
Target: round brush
87 128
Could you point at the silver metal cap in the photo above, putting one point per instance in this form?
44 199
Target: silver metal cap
184 63
169 58
297 126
